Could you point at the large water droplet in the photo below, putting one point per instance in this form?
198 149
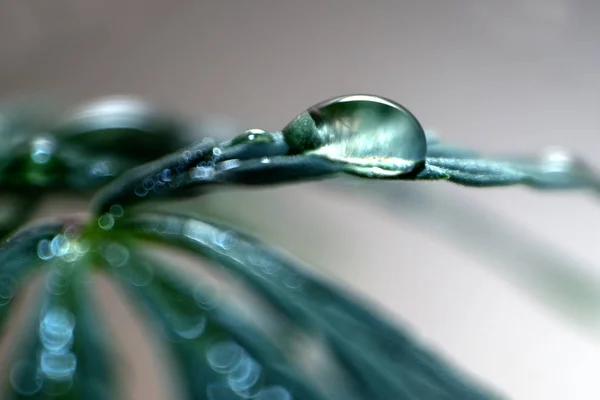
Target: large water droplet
370 135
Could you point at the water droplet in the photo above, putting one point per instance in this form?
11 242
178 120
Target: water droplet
224 356
202 173
140 191
60 245
25 379
106 221
42 149
142 275
56 329
116 254
217 152
58 365
371 136
207 297
165 175
101 169
44 251
253 136
274 393
190 328
225 240
7 285
245 375
116 210
148 184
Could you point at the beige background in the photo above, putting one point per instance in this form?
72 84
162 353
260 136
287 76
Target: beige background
501 76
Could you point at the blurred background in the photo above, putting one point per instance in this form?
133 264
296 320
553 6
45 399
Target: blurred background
503 282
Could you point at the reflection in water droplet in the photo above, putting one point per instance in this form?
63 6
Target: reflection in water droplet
25 379
224 356
58 365
106 222
370 135
273 393
44 251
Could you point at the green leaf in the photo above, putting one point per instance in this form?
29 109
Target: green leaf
384 360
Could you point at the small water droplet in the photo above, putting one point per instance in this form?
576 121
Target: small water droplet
106 221
44 251
207 297
202 173
224 356
253 136
217 152
245 375
7 285
142 275
58 365
369 135
56 329
42 149
116 254
140 191
60 245
25 379
191 328
225 240
148 184
165 175
116 210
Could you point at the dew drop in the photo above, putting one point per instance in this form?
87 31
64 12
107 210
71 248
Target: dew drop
58 365
370 136
56 329
191 328
7 283
116 254
245 375
116 210
25 378
224 356
207 297
253 136
106 222
60 245
42 149
166 175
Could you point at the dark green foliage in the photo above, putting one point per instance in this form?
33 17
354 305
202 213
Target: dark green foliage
123 154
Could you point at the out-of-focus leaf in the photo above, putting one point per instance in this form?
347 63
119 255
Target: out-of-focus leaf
384 361
64 355
19 256
220 355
